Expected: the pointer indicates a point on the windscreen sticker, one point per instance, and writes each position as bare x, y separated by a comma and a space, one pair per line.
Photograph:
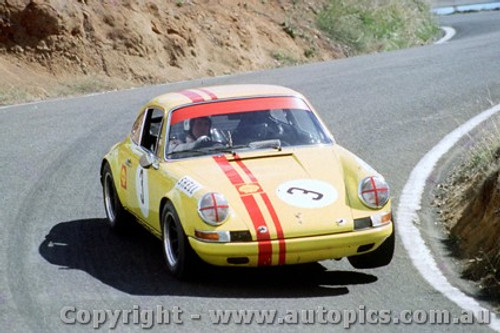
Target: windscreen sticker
142, 189
307, 193
249, 189
188, 185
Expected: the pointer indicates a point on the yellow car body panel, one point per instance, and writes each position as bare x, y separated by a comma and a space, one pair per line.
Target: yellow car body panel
263, 188
298, 250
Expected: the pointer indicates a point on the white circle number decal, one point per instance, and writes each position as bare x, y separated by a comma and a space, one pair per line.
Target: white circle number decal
141, 186
307, 193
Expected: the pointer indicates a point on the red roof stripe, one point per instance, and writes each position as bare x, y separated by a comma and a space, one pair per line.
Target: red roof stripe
209, 93
193, 96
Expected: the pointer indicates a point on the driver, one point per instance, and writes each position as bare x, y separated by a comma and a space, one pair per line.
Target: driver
198, 133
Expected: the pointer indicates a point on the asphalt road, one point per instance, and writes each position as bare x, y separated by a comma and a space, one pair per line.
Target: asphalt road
56, 252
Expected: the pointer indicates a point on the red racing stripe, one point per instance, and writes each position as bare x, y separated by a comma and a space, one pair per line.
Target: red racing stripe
228, 169
265, 246
279, 229
270, 208
193, 96
245, 169
209, 93
263, 238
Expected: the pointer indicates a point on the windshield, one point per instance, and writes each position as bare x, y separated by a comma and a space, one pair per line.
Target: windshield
248, 124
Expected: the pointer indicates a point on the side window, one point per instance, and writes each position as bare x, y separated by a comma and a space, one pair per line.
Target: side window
152, 129
136, 128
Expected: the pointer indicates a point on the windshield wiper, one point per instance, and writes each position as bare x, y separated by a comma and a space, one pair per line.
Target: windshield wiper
275, 144
178, 152
206, 151
228, 149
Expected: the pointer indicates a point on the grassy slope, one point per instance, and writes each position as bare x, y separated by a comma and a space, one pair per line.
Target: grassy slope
383, 25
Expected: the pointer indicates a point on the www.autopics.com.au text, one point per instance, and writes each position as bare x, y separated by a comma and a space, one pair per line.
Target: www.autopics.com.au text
160, 315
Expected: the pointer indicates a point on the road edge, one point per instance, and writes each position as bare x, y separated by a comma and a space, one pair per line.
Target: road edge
407, 215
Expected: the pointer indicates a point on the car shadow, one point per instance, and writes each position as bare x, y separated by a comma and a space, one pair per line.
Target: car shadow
132, 261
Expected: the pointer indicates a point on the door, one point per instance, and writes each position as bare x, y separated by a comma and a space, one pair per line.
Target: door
139, 194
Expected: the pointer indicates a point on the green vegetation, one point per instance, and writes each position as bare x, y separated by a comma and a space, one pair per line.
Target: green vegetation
483, 157
289, 28
69, 87
86, 85
13, 95
284, 58
381, 25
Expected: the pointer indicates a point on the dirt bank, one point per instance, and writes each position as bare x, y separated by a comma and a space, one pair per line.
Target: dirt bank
50, 47
469, 206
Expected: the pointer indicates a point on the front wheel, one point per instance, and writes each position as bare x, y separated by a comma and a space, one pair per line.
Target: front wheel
116, 215
179, 256
382, 256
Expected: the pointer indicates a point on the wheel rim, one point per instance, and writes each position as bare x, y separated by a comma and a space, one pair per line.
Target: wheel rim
170, 240
109, 198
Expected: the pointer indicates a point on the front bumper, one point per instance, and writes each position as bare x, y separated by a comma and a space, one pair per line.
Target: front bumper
297, 250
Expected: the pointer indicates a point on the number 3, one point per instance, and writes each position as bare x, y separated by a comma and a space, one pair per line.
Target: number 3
317, 195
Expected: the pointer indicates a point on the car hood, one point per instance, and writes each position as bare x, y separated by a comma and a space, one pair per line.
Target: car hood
292, 193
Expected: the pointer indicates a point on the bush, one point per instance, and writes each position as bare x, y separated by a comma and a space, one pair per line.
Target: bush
382, 25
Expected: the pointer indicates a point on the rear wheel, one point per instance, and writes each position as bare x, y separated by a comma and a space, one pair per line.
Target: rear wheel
382, 256
179, 256
116, 215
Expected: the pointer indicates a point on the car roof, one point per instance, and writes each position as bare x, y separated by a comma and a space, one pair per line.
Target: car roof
173, 100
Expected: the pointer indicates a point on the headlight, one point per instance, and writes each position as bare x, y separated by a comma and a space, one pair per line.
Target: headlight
213, 208
374, 192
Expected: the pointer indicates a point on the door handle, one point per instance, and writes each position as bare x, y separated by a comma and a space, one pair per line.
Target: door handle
128, 162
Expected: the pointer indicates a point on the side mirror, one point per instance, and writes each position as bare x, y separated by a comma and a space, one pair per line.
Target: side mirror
147, 160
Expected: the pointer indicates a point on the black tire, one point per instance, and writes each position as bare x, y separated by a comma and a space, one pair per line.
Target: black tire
179, 256
117, 216
382, 256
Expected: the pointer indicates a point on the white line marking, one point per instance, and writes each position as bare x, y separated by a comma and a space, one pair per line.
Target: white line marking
409, 205
449, 33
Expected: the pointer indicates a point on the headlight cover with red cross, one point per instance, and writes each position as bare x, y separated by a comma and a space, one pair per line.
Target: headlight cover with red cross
374, 192
213, 208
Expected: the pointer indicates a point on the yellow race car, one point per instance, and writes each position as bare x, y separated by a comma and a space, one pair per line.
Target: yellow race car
246, 175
